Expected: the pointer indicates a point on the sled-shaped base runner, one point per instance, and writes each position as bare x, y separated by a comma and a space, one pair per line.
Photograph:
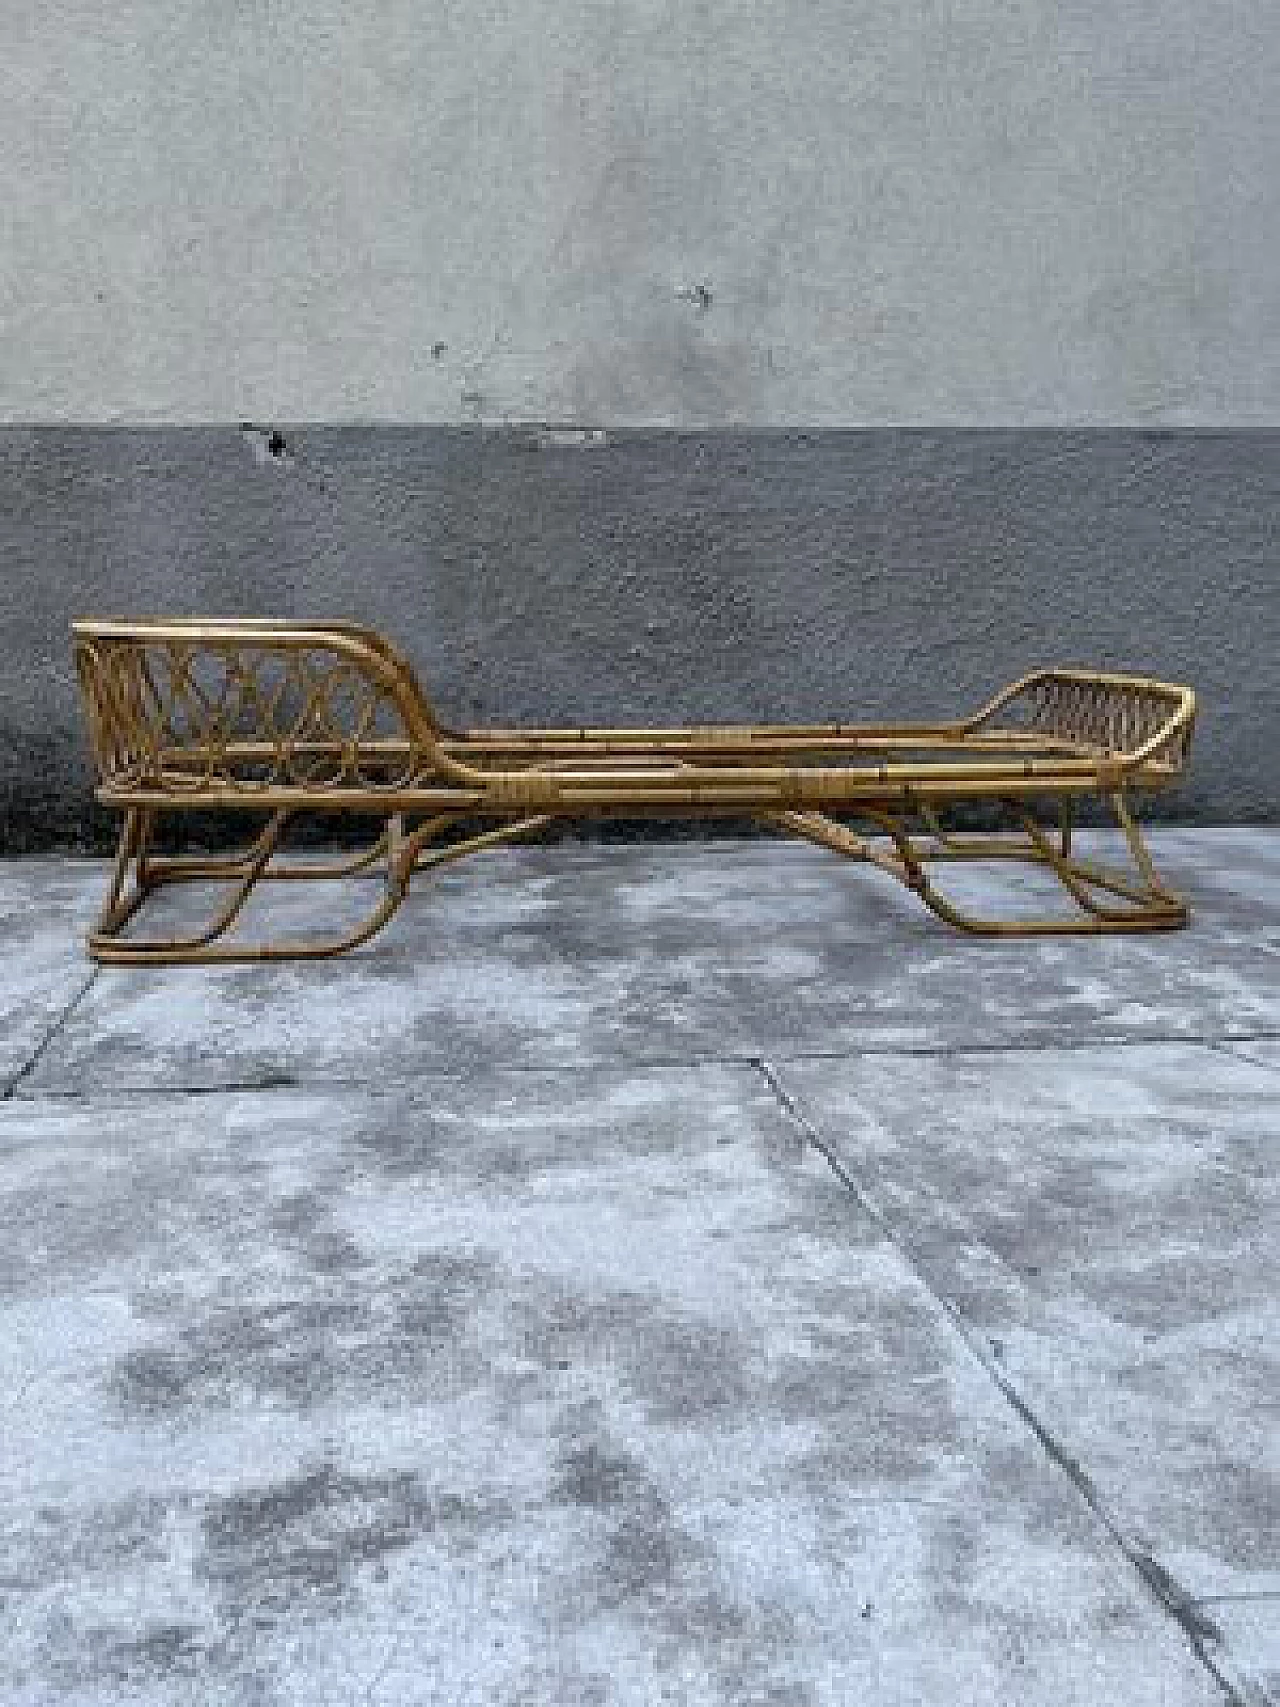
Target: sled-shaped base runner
272, 720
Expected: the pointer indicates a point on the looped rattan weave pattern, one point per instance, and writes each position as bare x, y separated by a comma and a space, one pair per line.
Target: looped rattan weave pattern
186, 715
1115, 717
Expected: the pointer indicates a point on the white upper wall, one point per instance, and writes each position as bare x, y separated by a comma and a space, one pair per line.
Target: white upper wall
953, 212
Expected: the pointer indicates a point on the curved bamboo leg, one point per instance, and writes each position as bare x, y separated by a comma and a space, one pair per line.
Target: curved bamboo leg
827, 833
1075, 876
203, 948
1095, 924
1081, 877
105, 944
1152, 905
188, 868
201, 951
118, 908
414, 843
1141, 855
946, 844
404, 855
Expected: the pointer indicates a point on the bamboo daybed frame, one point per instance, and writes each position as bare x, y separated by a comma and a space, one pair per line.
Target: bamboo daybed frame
279, 718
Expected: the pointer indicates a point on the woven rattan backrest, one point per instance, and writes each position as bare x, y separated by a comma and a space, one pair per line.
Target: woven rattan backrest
1125, 717
251, 704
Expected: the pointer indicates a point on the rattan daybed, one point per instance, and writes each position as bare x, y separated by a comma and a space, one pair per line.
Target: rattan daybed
278, 719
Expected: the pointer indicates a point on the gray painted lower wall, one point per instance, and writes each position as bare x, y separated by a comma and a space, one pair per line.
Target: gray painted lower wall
661, 576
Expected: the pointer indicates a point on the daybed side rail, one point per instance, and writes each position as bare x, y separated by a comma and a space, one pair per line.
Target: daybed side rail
1136, 721
202, 707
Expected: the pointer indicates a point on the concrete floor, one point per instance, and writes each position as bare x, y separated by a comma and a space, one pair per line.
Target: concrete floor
646, 1274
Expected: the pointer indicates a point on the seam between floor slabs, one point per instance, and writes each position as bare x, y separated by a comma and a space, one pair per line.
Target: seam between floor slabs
1174, 1600
59, 1021
1234, 1049
1197, 1629
749, 1058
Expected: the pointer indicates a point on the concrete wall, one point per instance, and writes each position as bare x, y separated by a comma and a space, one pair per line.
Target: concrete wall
953, 212
1046, 233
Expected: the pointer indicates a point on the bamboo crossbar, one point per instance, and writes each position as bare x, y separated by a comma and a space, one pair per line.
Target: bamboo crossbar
276, 718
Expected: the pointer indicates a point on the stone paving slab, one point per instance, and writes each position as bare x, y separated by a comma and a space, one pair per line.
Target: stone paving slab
551, 957
1111, 1232
1234, 870
44, 907
585, 1389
